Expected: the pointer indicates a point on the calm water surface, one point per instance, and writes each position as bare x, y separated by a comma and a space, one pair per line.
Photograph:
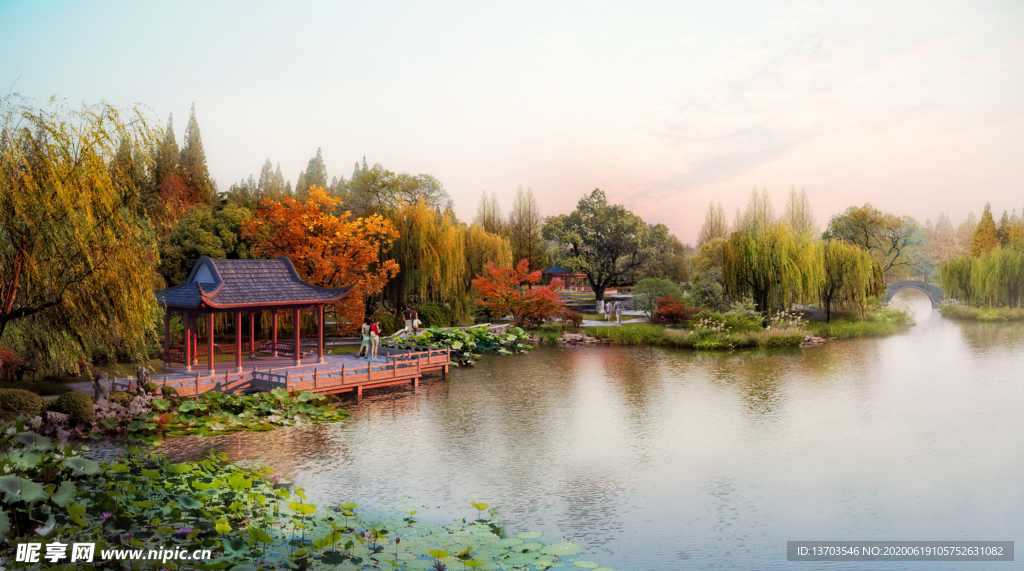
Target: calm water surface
659, 459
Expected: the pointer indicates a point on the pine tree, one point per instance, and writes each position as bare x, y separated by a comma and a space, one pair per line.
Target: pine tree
943, 244
799, 215
1003, 231
715, 225
965, 232
193, 164
488, 214
985, 238
524, 230
315, 175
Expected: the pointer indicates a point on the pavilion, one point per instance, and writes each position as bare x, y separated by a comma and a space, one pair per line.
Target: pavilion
572, 281
242, 286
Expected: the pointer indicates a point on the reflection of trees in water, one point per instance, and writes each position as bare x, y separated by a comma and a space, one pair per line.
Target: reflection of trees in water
991, 337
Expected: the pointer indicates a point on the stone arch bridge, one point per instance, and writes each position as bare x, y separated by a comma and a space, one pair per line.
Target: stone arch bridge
934, 292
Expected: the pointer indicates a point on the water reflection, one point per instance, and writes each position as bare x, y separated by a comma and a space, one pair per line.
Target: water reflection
657, 459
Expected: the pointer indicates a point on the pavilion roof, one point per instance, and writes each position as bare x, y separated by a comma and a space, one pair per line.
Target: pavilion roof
559, 270
228, 284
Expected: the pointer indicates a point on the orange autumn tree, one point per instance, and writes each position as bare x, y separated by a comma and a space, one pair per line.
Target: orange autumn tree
502, 292
326, 250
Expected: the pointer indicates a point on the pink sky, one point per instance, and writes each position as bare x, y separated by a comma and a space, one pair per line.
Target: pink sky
914, 106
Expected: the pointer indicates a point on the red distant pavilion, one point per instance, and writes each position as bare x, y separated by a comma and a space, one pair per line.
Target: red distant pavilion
242, 286
572, 281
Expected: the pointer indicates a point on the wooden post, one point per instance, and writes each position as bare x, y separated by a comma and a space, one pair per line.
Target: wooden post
343, 373
167, 338
295, 327
209, 333
274, 339
287, 379
320, 334
252, 334
238, 341
197, 384
359, 392
315, 375
195, 339
188, 342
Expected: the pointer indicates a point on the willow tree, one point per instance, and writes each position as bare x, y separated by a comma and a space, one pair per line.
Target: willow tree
431, 252
771, 264
75, 259
955, 276
845, 277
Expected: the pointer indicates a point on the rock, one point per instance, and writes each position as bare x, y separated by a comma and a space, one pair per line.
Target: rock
141, 379
56, 418
139, 405
101, 384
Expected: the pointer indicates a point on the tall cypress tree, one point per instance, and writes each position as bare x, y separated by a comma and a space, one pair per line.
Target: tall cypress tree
193, 164
985, 237
315, 175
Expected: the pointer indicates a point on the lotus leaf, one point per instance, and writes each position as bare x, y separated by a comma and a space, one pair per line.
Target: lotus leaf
82, 466
65, 494
586, 564
19, 489
33, 441
530, 534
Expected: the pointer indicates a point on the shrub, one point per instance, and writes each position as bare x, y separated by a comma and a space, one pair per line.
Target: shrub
778, 338
672, 310
569, 318
18, 401
123, 398
76, 405
40, 387
709, 293
388, 323
168, 392
648, 291
151, 388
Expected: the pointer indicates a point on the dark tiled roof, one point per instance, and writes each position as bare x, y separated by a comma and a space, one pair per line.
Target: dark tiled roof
556, 269
242, 283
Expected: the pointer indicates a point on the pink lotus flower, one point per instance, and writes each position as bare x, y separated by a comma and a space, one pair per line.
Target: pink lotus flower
107, 515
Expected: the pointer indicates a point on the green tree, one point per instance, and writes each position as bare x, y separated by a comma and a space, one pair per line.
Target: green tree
648, 291
715, 225
203, 231
524, 231
605, 241
315, 175
1003, 231
377, 190
955, 276
488, 214
799, 214
985, 236
846, 277
772, 265
192, 164
891, 239
75, 257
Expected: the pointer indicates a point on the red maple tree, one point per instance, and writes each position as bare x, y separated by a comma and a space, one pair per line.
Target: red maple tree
504, 291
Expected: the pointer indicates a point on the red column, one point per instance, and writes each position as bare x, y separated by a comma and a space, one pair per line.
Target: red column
252, 335
195, 339
295, 327
209, 333
274, 340
167, 337
320, 335
188, 341
238, 341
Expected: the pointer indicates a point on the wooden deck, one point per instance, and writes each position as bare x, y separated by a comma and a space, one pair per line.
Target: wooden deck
337, 374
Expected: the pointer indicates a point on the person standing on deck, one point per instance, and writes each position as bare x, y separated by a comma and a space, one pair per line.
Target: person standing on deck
618, 311
409, 314
374, 339
364, 336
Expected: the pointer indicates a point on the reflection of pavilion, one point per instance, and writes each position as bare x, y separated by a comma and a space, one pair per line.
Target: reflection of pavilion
251, 286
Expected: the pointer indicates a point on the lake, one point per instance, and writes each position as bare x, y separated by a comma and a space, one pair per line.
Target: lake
665, 459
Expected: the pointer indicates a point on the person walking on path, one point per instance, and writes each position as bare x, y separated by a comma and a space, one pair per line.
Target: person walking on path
609, 311
374, 339
409, 315
618, 311
364, 338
